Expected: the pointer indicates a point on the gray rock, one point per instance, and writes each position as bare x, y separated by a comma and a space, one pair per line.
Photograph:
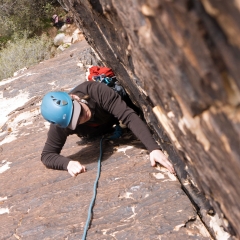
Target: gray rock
59, 39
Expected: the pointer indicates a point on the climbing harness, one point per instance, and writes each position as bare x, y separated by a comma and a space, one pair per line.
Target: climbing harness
94, 193
117, 133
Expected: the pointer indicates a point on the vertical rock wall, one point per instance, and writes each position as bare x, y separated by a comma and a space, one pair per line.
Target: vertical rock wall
179, 60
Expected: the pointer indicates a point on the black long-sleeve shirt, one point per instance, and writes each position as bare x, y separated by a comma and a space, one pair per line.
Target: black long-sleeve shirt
106, 106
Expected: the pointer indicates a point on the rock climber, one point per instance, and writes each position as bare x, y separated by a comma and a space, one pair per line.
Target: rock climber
57, 22
90, 109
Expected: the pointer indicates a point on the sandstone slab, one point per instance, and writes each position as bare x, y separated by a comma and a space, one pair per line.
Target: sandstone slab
134, 200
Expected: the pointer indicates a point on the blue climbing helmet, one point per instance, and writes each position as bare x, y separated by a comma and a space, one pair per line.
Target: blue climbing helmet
58, 108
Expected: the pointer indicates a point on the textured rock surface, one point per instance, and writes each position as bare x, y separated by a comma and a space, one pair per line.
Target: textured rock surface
179, 59
134, 200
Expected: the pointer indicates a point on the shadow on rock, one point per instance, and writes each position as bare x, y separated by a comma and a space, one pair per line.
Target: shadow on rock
91, 148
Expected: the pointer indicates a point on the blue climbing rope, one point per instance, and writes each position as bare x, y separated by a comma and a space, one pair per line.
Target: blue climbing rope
117, 133
94, 193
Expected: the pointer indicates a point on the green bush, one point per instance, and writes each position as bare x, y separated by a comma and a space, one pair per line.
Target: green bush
23, 52
23, 15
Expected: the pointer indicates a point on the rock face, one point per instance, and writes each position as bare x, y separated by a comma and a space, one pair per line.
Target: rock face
134, 200
180, 60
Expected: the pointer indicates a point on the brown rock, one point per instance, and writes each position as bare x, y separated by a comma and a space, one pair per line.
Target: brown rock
183, 58
134, 200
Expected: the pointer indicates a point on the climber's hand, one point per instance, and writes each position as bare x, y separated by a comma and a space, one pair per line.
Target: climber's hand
157, 156
74, 168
